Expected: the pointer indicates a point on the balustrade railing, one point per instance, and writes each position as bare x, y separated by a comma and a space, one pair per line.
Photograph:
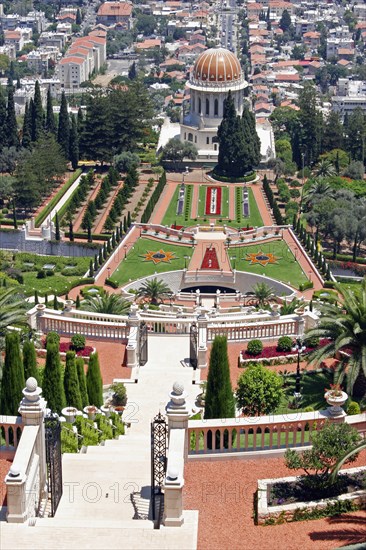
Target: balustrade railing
241, 435
243, 331
69, 326
11, 428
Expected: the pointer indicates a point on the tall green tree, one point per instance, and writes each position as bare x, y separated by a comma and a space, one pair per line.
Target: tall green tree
94, 382
333, 133
11, 121
50, 123
74, 143
63, 134
285, 21
30, 361
53, 388
37, 113
3, 129
12, 382
308, 137
154, 291
219, 401
259, 391
27, 127
71, 382
82, 380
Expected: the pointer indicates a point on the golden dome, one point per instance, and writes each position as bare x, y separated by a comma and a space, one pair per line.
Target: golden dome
217, 65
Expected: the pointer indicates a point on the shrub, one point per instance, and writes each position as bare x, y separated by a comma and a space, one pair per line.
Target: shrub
294, 193
259, 391
78, 342
353, 408
41, 274
306, 285
255, 347
312, 342
284, 343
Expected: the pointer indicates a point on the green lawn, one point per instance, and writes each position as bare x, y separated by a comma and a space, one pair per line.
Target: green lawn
286, 270
67, 272
135, 266
170, 217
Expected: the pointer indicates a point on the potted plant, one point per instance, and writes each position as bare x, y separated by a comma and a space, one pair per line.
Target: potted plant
106, 409
336, 398
91, 411
119, 396
69, 413
202, 396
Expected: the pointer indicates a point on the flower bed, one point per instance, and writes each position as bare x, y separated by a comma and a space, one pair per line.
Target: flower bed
65, 347
179, 227
275, 511
246, 229
272, 354
210, 260
213, 201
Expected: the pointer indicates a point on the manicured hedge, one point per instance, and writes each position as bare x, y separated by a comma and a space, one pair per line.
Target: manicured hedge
249, 177
154, 199
52, 203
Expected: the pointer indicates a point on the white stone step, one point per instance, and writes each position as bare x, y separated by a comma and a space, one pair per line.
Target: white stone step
95, 523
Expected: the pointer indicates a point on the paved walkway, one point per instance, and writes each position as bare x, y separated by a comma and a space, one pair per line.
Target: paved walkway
163, 202
96, 509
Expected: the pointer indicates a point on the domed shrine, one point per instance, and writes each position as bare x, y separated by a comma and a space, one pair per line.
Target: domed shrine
215, 72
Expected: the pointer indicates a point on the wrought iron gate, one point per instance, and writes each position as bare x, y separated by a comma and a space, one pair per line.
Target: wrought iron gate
53, 459
159, 431
193, 343
143, 344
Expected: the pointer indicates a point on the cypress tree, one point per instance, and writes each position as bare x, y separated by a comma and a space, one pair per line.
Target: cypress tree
94, 382
113, 241
100, 257
36, 300
71, 230
53, 388
30, 361
55, 302
124, 224
74, 143
96, 262
63, 134
219, 401
12, 382
37, 113
50, 124
71, 382
109, 249
82, 381
78, 19
46, 299
77, 303
3, 129
128, 219
294, 221
90, 238
298, 225
11, 121
105, 254
15, 221
121, 228
57, 228
132, 73
27, 127
91, 268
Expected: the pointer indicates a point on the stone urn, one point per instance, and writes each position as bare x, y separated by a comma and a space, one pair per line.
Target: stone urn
336, 400
69, 413
107, 409
91, 411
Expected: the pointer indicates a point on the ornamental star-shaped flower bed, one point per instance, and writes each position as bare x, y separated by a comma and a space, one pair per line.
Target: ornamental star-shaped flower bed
159, 256
262, 258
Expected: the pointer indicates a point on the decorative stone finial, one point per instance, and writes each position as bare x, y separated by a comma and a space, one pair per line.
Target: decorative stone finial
178, 388
173, 473
31, 384
14, 471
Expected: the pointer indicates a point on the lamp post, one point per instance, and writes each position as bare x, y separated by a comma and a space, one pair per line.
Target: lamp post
108, 272
299, 347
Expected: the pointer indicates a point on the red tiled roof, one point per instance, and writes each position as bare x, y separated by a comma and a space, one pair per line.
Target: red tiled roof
72, 59
118, 9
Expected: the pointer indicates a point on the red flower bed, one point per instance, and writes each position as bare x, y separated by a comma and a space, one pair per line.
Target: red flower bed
272, 351
210, 260
67, 346
246, 229
208, 201
173, 226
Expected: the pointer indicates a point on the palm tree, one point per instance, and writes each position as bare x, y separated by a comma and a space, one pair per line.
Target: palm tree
289, 307
345, 458
12, 310
319, 189
263, 294
325, 168
106, 303
344, 325
154, 291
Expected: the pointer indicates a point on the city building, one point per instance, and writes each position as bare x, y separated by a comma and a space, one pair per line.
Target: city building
111, 13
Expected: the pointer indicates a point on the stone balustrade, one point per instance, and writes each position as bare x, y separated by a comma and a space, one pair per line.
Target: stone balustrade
11, 428
266, 329
248, 436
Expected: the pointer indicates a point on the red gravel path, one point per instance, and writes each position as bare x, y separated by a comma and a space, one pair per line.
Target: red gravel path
223, 492
4, 468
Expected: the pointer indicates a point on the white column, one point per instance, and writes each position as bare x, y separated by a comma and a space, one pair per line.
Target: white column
202, 322
131, 348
